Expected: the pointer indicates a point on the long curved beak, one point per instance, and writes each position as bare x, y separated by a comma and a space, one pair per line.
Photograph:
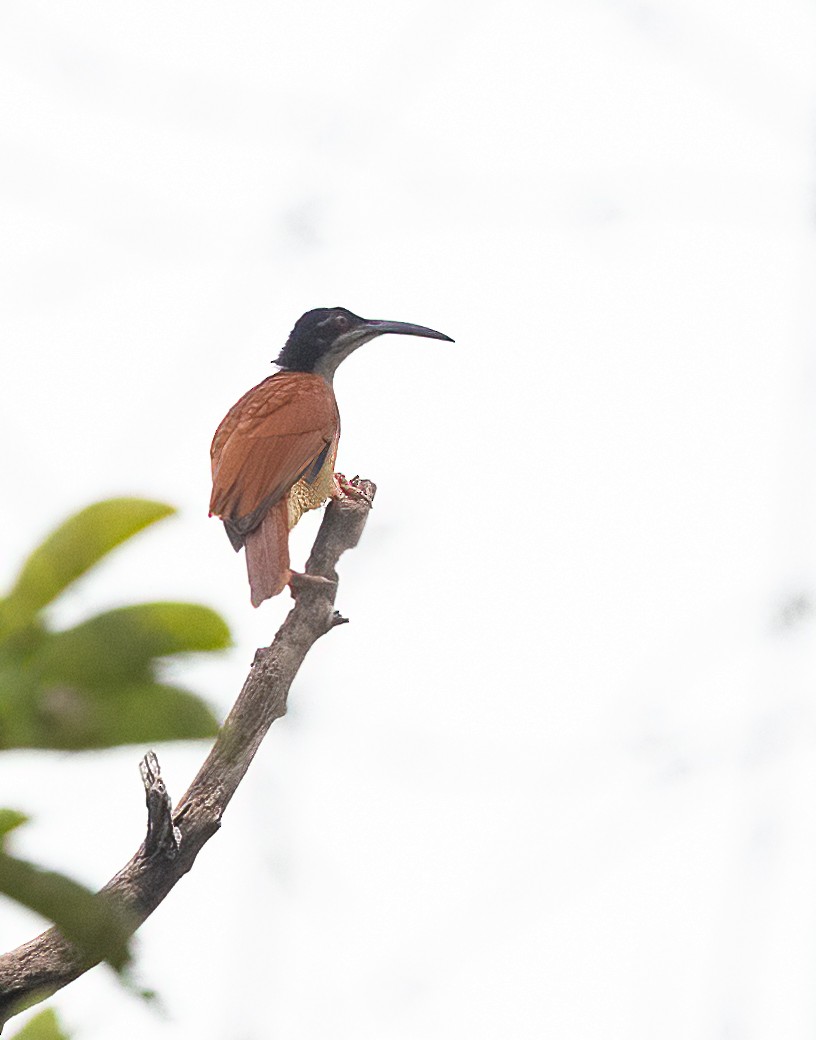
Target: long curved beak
404, 328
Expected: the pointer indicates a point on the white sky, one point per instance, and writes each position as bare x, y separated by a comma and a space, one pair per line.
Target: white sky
555, 778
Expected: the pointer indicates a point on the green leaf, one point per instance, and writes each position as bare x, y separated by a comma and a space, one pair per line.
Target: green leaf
153, 712
120, 646
80, 688
44, 1026
9, 819
72, 719
71, 550
98, 928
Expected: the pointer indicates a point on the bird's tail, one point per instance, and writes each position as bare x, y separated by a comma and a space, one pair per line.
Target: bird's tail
267, 555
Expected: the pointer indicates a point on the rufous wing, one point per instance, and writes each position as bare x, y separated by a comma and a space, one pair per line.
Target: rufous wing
267, 440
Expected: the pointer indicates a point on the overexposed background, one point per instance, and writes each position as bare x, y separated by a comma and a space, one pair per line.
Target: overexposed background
556, 777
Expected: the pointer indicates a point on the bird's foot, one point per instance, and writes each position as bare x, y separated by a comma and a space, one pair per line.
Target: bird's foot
351, 489
299, 582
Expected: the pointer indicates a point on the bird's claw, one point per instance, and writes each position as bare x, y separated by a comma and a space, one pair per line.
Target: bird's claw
351, 489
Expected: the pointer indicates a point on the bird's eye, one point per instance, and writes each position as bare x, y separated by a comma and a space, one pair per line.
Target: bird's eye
340, 320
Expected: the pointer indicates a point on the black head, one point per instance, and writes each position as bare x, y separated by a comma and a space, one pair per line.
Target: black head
322, 338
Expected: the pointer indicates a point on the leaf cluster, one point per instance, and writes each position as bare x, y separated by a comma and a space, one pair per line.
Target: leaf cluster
97, 684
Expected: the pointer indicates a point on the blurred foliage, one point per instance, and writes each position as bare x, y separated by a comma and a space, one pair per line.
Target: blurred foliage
44, 1026
97, 684
82, 917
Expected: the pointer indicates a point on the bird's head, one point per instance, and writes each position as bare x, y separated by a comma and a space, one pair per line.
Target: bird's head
322, 338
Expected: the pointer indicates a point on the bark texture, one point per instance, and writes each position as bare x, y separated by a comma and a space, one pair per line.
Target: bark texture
44, 965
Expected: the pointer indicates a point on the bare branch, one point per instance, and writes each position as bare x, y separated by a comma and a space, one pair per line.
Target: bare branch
46, 964
162, 836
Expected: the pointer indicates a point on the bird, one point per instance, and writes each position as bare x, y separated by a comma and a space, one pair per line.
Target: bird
273, 453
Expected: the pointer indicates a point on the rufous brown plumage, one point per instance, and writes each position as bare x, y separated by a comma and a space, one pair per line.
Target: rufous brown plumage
273, 453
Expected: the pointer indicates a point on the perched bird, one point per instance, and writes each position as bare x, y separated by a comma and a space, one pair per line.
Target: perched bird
273, 453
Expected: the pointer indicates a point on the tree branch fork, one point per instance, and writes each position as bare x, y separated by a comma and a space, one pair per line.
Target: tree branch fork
49, 962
